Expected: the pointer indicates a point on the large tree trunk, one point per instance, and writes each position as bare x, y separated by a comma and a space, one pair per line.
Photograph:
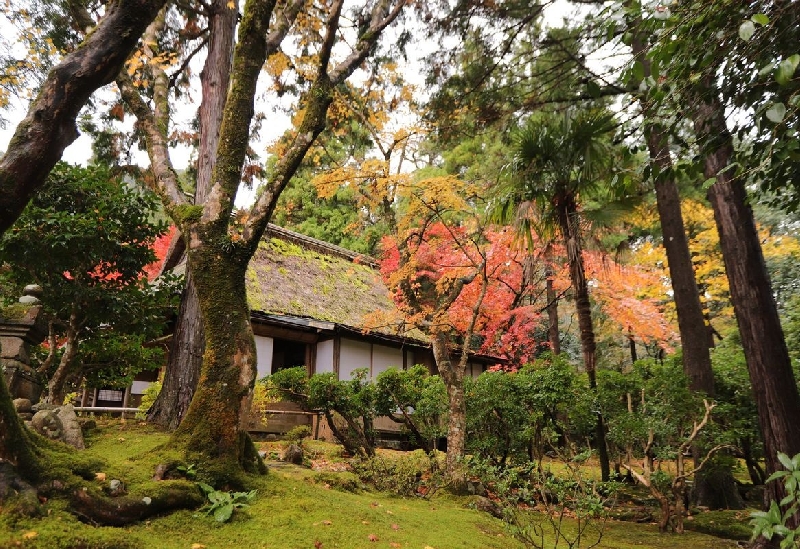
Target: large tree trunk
214, 428
452, 374
49, 126
15, 445
186, 348
713, 489
691, 322
568, 220
768, 362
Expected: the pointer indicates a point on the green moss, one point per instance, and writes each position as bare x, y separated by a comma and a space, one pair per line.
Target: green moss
15, 311
188, 213
725, 524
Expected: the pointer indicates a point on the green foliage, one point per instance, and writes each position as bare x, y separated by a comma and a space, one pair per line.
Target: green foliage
189, 471
85, 239
349, 406
296, 435
415, 399
148, 398
654, 398
221, 504
518, 416
776, 521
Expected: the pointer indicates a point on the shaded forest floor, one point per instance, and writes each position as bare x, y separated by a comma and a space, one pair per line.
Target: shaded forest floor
324, 506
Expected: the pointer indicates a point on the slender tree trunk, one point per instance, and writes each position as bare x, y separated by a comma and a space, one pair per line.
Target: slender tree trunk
567, 214
453, 377
768, 362
553, 335
186, 348
183, 364
55, 387
632, 345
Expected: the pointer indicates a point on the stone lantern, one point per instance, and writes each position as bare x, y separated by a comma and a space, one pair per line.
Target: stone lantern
22, 325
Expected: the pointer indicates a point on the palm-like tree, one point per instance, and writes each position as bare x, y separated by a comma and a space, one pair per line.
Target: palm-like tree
559, 158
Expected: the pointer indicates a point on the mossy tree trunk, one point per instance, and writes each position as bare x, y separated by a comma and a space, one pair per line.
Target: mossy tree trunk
219, 250
16, 446
40, 140
214, 425
186, 348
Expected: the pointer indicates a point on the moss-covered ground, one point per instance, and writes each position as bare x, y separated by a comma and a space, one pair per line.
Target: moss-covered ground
299, 508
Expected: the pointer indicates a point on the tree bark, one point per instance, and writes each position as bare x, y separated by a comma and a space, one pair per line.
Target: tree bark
768, 362
49, 126
15, 446
214, 428
553, 335
184, 362
567, 219
710, 489
453, 377
186, 348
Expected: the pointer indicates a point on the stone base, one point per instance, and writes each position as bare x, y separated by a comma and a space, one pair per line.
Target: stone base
22, 381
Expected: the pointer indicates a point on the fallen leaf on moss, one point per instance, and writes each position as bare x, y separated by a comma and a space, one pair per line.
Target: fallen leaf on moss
372, 537
29, 535
100, 477
198, 546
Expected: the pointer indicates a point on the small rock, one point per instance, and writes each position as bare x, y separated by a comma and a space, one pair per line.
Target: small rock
73, 435
160, 472
488, 506
87, 424
293, 454
272, 437
48, 424
262, 454
22, 405
116, 488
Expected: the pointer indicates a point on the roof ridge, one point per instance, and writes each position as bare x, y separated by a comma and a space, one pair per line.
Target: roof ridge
320, 245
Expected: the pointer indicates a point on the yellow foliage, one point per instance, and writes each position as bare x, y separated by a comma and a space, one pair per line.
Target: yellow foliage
277, 64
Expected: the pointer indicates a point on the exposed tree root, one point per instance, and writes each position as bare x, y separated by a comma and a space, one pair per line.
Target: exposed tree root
121, 511
14, 487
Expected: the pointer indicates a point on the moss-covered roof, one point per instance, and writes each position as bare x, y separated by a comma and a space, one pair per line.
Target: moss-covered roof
299, 276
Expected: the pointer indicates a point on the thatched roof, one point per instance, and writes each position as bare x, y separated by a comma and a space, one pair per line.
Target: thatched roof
295, 275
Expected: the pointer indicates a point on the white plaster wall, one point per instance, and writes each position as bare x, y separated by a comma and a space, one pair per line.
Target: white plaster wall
384, 358
138, 387
474, 370
353, 355
324, 357
263, 355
